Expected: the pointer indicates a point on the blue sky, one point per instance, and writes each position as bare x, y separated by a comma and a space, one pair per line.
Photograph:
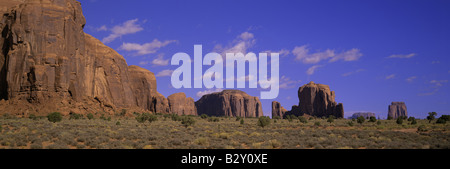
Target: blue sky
370, 52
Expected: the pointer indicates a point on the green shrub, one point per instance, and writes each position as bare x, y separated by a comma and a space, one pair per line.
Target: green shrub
213, 119
118, 123
263, 121
411, 118
443, 119
372, 119
390, 118
276, 117
187, 121
54, 117
378, 122
431, 116
317, 123
204, 116
32, 117
350, 123
399, 120
74, 116
176, 117
242, 121
142, 118
90, 116
422, 128
123, 112
238, 118
360, 119
302, 119
330, 119
414, 121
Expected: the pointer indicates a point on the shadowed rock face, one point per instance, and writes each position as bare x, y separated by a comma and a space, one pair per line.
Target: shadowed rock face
318, 100
145, 90
397, 109
278, 110
230, 103
366, 115
181, 105
46, 55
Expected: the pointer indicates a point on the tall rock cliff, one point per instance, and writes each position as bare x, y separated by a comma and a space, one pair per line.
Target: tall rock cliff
397, 109
278, 110
318, 100
47, 57
230, 103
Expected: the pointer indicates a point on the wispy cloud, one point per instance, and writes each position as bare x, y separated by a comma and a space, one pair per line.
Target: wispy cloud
147, 48
165, 73
205, 92
313, 69
435, 86
282, 52
403, 56
160, 61
392, 76
353, 72
411, 79
241, 44
102, 28
128, 27
302, 53
287, 83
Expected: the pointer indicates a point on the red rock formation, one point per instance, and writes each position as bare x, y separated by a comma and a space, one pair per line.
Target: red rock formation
47, 58
230, 103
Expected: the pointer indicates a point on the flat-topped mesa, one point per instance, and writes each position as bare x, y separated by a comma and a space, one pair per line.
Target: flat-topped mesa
232, 103
182, 105
318, 100
397, 109
47, 58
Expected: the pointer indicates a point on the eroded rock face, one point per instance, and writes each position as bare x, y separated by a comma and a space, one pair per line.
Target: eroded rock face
181, 105
397, 109
230, 103
143, 83
43, 56
278, 110
318, 100
366, 115
47, 58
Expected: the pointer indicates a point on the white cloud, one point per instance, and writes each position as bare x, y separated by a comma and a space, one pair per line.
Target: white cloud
159, 61
128, 27
165, 73
354, 72
312, 69
241, 44
390, 76
143, 63
102, 28
402, 56
282, 52
411, 79
435, 87
287, 83
350, 55
205, 92
147, 48
302, 53
438, 83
